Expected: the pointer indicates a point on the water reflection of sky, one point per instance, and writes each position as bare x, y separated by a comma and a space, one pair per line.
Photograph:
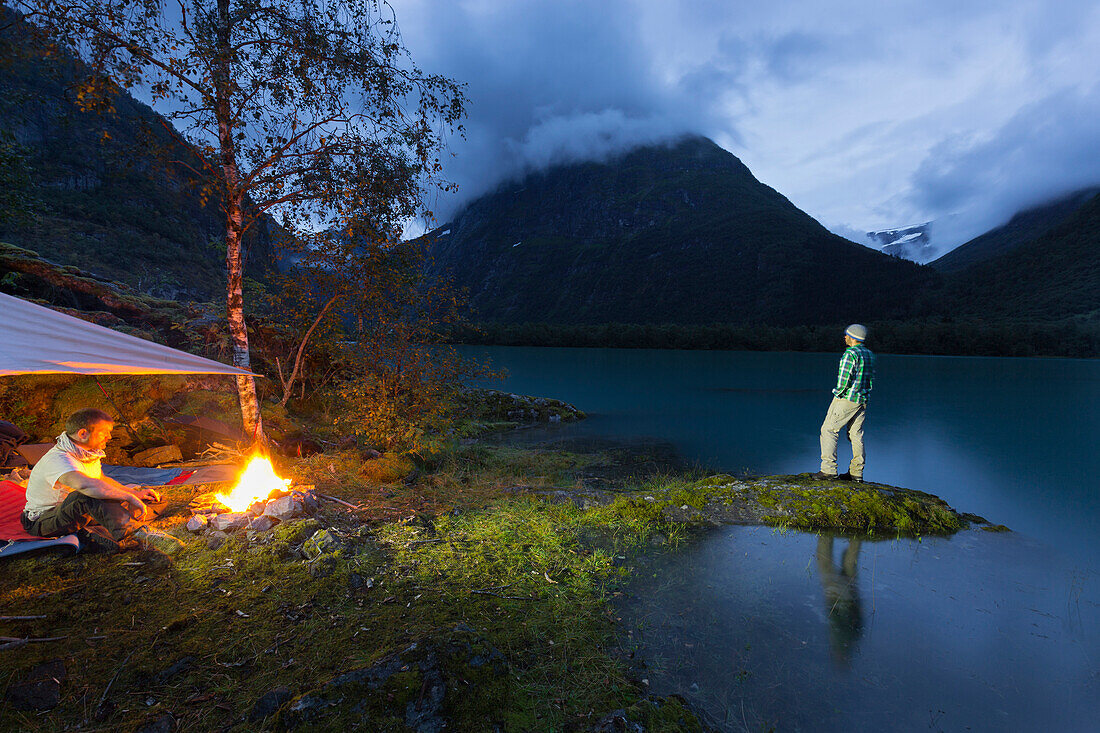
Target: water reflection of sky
978, 632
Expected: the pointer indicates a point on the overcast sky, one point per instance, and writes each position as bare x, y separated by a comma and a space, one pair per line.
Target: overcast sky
866, 114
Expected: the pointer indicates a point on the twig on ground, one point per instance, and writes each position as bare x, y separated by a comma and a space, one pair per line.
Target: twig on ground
21, 618
339, 501
103, 697
427, 542
30, 640
507, 598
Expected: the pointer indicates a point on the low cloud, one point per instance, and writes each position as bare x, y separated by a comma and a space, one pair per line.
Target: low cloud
1047, 150
596, 136
866, 115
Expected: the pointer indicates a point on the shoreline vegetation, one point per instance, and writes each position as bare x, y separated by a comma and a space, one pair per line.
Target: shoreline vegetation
470, 588
1069, 338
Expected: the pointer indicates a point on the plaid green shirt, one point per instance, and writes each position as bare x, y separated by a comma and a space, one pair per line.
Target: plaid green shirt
857, 373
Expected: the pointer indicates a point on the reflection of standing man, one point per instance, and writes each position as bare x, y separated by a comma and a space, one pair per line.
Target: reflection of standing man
841, 595
849, 406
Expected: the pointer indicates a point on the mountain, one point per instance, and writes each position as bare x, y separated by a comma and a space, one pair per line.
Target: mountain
677, 233
909, 243
1023, 227
109, 200
1053, 276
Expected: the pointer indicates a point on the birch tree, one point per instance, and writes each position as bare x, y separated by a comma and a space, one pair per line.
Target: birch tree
311, 111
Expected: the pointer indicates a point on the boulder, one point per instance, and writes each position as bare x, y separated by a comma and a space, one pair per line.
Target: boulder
230, 521
283, 508
156, 456
321, 543
262, 523
40, 689
198, 522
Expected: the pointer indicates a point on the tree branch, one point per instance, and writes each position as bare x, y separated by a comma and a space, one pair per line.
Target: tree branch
301, 350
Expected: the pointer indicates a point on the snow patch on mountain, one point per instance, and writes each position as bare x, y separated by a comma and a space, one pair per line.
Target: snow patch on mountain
912, 242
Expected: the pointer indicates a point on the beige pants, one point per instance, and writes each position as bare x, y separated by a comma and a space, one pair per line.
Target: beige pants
843, 413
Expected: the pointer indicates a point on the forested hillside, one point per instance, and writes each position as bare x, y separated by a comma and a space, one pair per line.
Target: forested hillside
111, 191
680, 233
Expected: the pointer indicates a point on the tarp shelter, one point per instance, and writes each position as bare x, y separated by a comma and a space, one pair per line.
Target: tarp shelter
38, 340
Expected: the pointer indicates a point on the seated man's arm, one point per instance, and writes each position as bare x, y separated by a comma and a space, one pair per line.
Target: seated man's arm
106, 488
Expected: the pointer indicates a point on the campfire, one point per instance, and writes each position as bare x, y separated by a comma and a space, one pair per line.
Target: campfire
257, 483
259, 500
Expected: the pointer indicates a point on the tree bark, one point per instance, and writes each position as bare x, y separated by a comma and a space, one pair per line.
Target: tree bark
234, 228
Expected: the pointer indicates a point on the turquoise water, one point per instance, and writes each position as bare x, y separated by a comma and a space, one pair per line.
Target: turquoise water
1015, 440
765, 629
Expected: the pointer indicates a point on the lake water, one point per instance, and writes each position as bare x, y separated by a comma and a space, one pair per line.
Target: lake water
760, 628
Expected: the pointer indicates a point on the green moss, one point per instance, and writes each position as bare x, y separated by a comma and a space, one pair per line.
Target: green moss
824, 505
486, 582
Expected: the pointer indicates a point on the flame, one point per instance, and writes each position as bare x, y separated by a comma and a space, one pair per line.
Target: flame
255, 484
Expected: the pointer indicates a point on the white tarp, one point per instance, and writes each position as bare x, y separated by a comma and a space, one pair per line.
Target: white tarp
37, 340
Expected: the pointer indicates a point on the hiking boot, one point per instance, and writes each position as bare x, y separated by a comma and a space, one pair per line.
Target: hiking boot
850, 477
94, 541
822, 476
157, 540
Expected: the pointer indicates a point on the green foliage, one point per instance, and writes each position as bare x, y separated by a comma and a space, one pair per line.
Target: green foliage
396, 398
17, 200
1050, 278
522, 583
1021, 229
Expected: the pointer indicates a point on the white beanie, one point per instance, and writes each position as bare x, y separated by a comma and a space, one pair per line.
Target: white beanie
857, 331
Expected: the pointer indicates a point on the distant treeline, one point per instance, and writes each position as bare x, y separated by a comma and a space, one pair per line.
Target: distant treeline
962, 338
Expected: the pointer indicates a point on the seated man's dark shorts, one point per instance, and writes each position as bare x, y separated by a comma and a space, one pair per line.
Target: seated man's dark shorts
75, 513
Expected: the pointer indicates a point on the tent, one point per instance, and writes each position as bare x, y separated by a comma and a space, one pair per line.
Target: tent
38, 340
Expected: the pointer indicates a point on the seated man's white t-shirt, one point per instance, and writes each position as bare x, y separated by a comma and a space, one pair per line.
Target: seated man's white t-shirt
43, 490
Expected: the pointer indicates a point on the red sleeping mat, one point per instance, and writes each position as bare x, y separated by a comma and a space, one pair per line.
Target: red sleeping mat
13, 498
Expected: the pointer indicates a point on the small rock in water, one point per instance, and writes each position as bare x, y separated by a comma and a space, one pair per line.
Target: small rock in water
229, 522
198, 522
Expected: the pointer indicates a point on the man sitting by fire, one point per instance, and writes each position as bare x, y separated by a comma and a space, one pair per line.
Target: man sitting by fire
68, 493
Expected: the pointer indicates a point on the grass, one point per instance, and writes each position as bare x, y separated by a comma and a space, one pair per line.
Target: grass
500, 579
450, 563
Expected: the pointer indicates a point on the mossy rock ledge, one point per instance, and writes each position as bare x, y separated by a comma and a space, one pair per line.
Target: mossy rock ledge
791, 502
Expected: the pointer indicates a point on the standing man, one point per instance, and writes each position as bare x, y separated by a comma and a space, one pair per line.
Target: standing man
849, 406
68, 493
